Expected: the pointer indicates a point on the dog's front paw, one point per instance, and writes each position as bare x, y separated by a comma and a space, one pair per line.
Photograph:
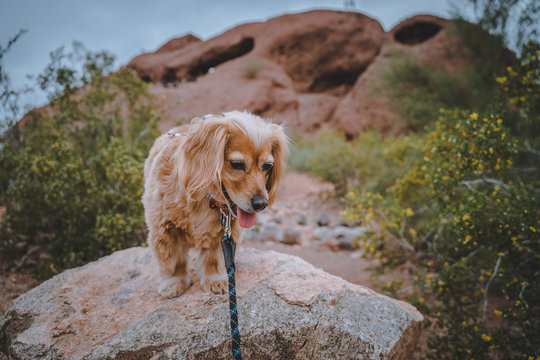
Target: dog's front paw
171, 287
216, 284
218, 287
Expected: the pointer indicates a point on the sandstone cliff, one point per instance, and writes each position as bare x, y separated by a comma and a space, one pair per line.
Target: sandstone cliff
311, 70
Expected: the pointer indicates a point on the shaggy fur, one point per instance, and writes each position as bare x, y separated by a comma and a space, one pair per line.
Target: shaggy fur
238, 149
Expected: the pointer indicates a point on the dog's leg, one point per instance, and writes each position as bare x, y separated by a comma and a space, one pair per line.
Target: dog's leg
171, 251
211, 268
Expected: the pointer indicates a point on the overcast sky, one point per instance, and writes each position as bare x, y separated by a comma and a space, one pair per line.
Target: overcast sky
128, 27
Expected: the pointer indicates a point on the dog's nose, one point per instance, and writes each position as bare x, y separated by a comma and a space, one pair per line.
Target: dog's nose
259, 203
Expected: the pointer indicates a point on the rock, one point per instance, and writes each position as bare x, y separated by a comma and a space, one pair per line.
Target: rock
351, 223
301, 219
287, 309
323, 219
323, 233
291, 236
348, 236
294, 67
277, 219
270, 232
252, 234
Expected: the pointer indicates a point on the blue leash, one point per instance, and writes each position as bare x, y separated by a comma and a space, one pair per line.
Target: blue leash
229, 248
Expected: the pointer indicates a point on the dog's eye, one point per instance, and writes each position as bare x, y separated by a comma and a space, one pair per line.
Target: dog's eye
267, 166
238, 165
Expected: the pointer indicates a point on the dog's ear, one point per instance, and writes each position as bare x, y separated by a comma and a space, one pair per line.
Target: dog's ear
204, 151
280, 152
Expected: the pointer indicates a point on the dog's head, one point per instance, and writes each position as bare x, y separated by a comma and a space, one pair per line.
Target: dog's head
237, 152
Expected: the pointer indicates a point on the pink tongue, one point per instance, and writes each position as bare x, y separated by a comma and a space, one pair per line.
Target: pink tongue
245, 219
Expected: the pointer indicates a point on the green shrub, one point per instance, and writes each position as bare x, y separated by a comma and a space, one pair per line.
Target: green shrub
71, 178
362, 162
251, 69
467, 214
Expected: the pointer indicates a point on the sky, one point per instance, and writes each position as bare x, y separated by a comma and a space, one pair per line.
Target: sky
127, 28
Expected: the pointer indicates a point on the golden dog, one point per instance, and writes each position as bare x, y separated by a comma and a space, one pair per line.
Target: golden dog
236, 157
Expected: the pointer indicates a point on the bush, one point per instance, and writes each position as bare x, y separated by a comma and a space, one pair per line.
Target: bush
251, 69
361, 162
467, 214
71, 175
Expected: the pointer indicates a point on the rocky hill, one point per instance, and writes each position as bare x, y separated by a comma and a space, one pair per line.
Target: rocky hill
314, 69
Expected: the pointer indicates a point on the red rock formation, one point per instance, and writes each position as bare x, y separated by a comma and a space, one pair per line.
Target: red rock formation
312, 70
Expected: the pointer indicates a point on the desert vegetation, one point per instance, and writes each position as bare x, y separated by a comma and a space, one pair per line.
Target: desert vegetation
71, 173
457, 198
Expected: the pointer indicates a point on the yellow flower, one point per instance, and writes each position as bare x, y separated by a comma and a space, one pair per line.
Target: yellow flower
498, 312
486, 338
503, 136
501, 80
424, 168
533, 229
474, 116
500, 254
410, 212
466, 217
446, 178
518, 302
464, 323
499, 121
467, 238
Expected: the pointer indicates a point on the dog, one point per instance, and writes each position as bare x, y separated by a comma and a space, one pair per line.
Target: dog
238, 159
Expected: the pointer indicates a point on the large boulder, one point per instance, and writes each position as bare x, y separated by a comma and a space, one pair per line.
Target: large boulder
110, 309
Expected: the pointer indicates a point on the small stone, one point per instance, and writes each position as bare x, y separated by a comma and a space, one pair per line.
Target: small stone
347, 237
278, 219
302, 218
351, 223
291, 236
322, 233
270, 232
323, 220
253, 234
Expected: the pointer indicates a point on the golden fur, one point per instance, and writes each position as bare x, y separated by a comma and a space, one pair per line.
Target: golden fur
181, 170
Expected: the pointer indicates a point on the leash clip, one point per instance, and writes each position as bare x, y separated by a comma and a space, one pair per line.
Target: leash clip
226, 223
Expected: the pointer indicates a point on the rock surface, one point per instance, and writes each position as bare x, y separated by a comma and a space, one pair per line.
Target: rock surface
314, 69
110, 309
